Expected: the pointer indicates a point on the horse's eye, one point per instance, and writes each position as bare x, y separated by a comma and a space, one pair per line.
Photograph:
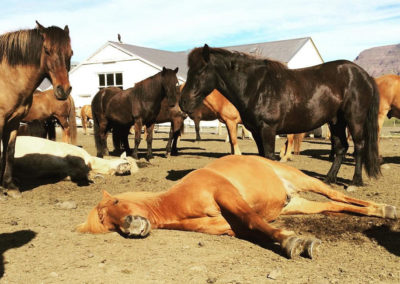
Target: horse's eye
116, 201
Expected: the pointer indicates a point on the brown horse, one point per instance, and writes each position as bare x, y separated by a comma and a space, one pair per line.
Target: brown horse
389, 91
118, 109
45, 106
233, 195
216, 106
26, 58
86, 114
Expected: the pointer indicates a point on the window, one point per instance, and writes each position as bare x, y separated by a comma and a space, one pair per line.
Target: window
110, 80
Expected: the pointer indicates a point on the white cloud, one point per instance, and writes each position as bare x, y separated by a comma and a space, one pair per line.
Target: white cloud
341, 29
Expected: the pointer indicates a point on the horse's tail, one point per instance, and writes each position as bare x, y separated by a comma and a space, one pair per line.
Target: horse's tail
96, 111
72, 121
50, 128
371, 152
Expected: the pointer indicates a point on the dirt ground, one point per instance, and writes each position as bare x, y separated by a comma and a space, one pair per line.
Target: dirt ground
38, 243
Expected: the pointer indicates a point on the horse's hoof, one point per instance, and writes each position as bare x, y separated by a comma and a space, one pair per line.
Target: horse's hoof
390, 212
136, 226
293, 247
311, 247
14, 193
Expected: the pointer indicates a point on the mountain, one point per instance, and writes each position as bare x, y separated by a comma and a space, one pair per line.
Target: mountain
380, 60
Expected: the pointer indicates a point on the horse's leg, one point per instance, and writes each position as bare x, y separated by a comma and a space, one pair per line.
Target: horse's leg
9, 139
268, 134
138, 130
103, 129
299, 205
229, 200
117, 139
232, 132
170, 137
298, 138
340, 146
149, 140
258, 140
124, 139
197, 128
66, 135
381, 118
286, 150
84, 121
357, 134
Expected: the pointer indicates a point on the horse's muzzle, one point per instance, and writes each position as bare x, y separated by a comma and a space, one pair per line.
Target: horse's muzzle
136, 226
62, 94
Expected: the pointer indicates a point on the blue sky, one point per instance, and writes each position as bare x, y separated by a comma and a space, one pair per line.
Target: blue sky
341, 29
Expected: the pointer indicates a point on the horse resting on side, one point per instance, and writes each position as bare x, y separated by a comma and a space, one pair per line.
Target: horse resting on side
233, 195
40, 158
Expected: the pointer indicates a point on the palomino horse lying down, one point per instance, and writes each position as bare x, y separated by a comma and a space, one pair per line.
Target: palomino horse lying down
37, 157
234, 195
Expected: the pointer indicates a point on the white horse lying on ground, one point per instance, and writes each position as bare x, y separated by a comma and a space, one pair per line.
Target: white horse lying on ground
37, 157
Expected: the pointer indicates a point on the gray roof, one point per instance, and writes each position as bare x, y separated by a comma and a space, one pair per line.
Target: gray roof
282, 50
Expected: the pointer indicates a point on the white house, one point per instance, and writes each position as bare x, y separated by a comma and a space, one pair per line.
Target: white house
122, 65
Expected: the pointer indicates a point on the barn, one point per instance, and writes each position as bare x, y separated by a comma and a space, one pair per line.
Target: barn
121, 64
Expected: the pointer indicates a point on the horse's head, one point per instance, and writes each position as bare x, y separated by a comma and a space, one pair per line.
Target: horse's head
122, 215
170, 83
56, 58
201, 79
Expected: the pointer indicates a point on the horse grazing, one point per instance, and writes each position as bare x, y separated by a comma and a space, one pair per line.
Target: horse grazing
26, 58
216, 106
273, 99
233, 195
42, 158
117, 109
86, 114
45, 106
389, 91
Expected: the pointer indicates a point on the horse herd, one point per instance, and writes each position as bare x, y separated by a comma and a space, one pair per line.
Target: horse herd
235, 195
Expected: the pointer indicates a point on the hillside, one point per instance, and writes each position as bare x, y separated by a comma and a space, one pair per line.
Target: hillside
380, 60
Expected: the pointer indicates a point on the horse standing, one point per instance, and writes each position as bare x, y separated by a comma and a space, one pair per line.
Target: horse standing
234, 195
86, 114
45, 106
273, 99
118, 109
26, 58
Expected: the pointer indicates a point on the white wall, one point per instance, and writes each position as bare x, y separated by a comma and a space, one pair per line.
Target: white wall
305, 57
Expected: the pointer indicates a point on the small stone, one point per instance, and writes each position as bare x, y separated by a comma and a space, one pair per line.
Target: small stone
67, 205
211, 280
13, 223
101, 265
54, 274
274, 274
90, 255
351, 188
201, 244
385, 166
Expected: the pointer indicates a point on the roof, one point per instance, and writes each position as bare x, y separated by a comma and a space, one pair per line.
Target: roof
282, 50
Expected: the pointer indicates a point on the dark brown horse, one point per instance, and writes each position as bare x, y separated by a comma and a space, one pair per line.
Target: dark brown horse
45, 106
26, 58
273, 99
115, 109
86, 114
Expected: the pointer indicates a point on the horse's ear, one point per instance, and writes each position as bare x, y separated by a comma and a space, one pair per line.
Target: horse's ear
106, 195
206, 53
40, 27
176, 70
66, 29
123, 155
163, 71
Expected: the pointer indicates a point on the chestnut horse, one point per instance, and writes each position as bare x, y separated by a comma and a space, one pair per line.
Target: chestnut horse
389, 90
233, 195
45, 106
26, 58
273, 99
117, 109
86, 114
216, 106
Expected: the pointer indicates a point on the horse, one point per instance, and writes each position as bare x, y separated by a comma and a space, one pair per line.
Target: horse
26, 58
117, 109
45, 106
42, 158
233, 195
168, 114
86, 114
216, 106
273, 99
389, 90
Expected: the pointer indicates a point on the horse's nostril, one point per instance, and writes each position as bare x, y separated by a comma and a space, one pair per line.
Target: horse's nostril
128, 219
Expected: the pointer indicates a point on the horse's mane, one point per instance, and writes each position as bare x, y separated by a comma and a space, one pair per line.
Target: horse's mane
92, 224
233, 57
24, 47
